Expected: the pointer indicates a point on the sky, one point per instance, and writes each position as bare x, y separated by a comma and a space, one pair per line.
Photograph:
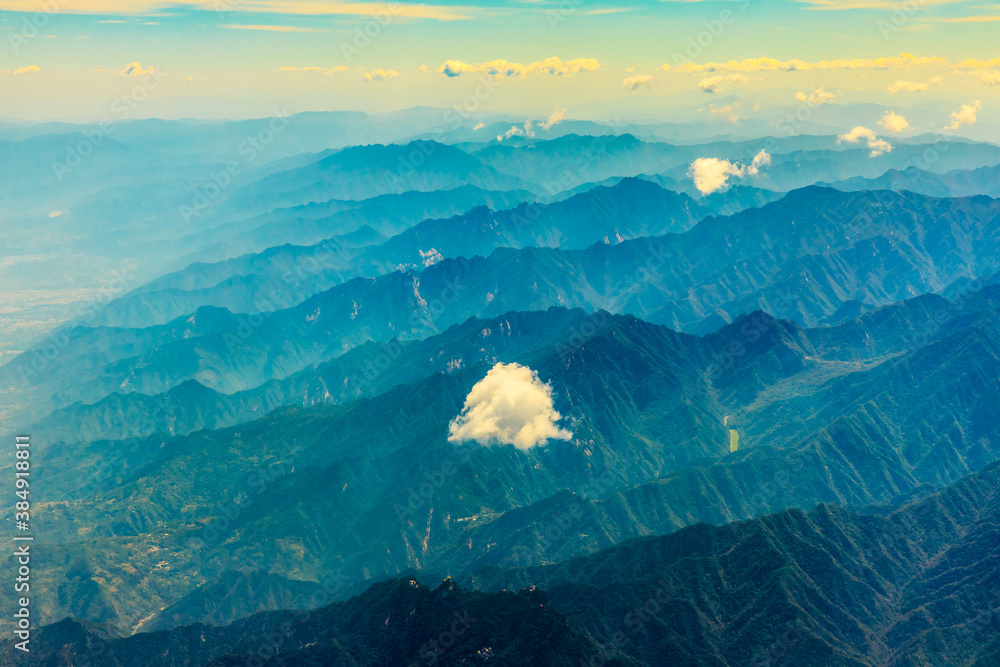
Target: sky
76, 59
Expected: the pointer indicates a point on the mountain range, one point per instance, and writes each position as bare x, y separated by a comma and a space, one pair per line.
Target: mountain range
912, 585
864, 250
825, 415
394, 389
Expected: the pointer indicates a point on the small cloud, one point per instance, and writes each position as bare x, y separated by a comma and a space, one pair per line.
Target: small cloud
972, 63
381, 74
894, 122
479, 126
638, 81
510, 406
502, 68
761, 159
711, 174
730, 111
557, 116
422, 69
714, 84
135, 69
965, 116
907, 87
517, 131
557, 67
912, 87
30, 69
816, 97
453, 68
990, 78
876, 145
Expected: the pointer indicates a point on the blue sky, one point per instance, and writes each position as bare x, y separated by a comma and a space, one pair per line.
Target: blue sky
243, 57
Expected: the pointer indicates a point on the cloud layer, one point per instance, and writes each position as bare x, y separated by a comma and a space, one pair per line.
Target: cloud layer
510, 406
902, 61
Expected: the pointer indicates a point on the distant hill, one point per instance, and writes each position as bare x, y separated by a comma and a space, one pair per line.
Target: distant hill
395, 623
630, 209
308, 224
914, 586
825, 415
801, 258
360, 172
955, 183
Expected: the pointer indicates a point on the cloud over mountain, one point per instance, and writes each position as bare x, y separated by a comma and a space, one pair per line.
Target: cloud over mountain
510, 406
711, 174
876, 145
894, 122
965, 116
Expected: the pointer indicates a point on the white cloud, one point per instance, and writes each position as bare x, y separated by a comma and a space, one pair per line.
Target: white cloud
730, 111
713, 84
638, 81
816, 97
876, 145
502, 68
971, 63
912, 86
761, 159
30, 69
711, 174
557, 116
902, 61
965, 116
517, 131
907, 87
990, 78
510, 406
135, 69
381, 74
479, 126
894, 122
